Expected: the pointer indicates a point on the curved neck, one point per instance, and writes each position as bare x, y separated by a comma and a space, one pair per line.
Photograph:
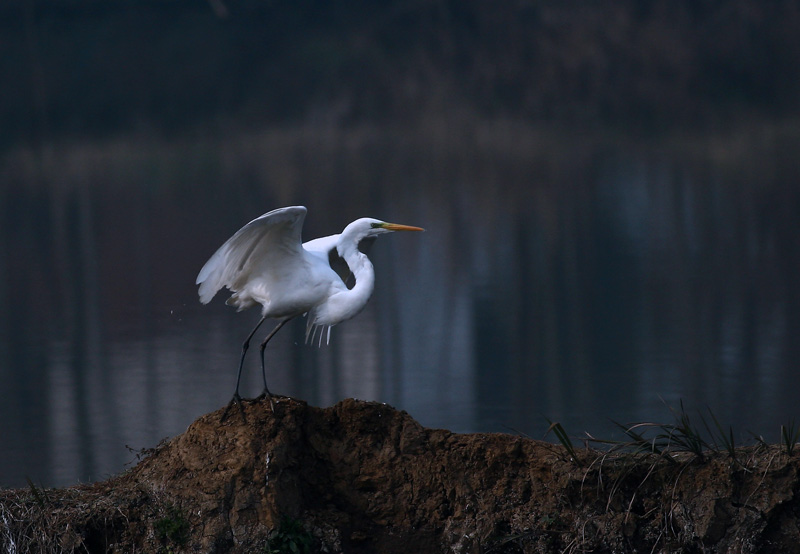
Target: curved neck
362, 270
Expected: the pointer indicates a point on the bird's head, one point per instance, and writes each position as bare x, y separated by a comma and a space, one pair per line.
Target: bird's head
368, 227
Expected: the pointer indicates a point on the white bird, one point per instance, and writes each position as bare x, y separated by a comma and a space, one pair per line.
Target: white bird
266, 263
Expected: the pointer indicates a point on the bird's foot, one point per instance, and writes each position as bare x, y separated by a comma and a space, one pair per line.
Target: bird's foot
268, 395
235, 400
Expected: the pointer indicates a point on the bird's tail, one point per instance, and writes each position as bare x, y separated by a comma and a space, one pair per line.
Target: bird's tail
311, 331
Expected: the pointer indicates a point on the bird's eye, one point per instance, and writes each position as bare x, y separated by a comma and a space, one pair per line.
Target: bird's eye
376, 225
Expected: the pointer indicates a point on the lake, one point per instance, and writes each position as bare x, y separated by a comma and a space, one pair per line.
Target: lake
565, 274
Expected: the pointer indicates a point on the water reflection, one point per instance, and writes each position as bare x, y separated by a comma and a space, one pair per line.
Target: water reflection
582, 281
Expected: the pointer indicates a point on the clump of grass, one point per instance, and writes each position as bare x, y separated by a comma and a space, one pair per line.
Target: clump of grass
37, 519
639, 442
685, 435
289, 538
725, 438
40, 495
790, 434
682, 435
562, 436
172, 528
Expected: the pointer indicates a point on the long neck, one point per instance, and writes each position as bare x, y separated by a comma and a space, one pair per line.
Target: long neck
353, 300
345, 303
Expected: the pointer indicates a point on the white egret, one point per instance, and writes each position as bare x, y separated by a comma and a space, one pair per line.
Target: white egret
266, 263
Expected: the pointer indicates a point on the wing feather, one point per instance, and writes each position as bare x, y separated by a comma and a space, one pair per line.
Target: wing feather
267, 240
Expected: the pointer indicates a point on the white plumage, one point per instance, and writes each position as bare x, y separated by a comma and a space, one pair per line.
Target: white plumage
266, 263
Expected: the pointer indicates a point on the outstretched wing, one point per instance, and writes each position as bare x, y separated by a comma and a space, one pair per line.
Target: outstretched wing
267, 240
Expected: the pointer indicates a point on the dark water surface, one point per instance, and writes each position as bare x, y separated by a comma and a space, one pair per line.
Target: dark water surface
580, 278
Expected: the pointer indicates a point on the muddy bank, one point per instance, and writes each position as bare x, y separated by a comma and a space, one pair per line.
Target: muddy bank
364, 477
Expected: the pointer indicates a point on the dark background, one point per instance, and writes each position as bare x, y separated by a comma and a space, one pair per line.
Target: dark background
610, 193
95, 67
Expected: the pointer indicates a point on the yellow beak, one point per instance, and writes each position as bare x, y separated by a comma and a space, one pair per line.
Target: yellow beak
398, 227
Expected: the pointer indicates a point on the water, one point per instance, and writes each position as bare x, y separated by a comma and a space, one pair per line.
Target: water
575, 277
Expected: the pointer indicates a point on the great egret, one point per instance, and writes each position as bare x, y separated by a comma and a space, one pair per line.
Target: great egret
265, 263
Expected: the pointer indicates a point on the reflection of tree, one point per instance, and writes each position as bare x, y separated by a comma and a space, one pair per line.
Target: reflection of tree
75, 245
715, 276
23, 334
168, 65
559, 276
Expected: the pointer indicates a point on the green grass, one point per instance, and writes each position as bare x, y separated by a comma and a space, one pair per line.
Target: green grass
289, 538
790, 434
172, 529
562, 436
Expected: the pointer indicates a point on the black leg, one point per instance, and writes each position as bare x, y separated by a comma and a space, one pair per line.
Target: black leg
263, 369
236, 398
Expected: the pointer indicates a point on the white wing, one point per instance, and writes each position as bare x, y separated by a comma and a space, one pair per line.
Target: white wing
269, 240
322, 246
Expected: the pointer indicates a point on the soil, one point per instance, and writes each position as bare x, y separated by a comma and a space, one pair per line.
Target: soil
363, 477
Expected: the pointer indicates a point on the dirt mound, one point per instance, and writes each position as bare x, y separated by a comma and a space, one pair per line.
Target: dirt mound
364, 477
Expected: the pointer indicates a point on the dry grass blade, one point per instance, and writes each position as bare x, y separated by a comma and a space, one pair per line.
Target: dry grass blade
640, 443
